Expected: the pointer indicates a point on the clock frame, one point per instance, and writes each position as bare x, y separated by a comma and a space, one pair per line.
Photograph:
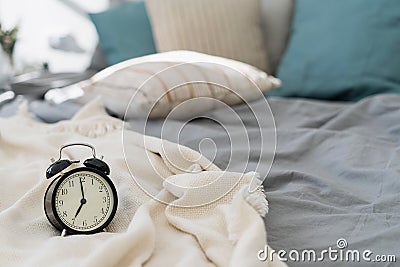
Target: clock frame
50, 202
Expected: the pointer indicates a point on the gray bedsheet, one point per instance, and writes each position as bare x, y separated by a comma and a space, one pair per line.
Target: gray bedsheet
336, 171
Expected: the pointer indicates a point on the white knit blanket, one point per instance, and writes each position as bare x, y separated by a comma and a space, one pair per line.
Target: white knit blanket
226, 230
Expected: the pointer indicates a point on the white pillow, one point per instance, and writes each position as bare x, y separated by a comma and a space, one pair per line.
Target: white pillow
152, 86
225, 28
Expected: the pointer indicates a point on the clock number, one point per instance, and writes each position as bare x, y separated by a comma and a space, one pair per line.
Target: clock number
61, 202
102, 211
92, 182
71, 183
104, 199
95, 219
100, 188
64, 191
64, 214
84, 223
83, 179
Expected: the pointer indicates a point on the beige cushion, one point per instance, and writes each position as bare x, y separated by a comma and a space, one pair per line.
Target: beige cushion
226, 28
277, 19
157, 84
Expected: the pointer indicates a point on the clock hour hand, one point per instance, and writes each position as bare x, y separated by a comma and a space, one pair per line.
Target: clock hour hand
83, 201
79, 209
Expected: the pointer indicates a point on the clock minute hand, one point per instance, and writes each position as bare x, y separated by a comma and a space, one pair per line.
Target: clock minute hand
83, 194
83, 200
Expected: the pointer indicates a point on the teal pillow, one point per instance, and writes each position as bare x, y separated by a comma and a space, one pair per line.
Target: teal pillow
124, 32
342, 50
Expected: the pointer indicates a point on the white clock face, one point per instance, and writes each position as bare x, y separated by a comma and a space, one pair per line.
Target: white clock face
84, 201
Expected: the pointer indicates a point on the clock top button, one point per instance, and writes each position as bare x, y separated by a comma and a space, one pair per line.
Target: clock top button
57, 167
97, 164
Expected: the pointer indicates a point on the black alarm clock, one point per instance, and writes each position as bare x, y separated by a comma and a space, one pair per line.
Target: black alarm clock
82, 200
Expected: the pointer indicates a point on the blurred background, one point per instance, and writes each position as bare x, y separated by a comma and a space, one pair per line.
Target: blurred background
57, 32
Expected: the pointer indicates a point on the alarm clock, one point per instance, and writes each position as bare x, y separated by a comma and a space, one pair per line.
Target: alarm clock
82, 200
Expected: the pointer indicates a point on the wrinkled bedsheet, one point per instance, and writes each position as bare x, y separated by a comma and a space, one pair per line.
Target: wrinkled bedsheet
335, 174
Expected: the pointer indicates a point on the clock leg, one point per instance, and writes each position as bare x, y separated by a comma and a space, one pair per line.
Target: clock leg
105, 230
63, 233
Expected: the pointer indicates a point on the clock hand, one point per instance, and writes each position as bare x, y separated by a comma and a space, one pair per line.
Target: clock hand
83, 194
83, 201
79, 209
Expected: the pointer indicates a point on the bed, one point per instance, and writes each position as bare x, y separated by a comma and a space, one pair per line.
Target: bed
334, 175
